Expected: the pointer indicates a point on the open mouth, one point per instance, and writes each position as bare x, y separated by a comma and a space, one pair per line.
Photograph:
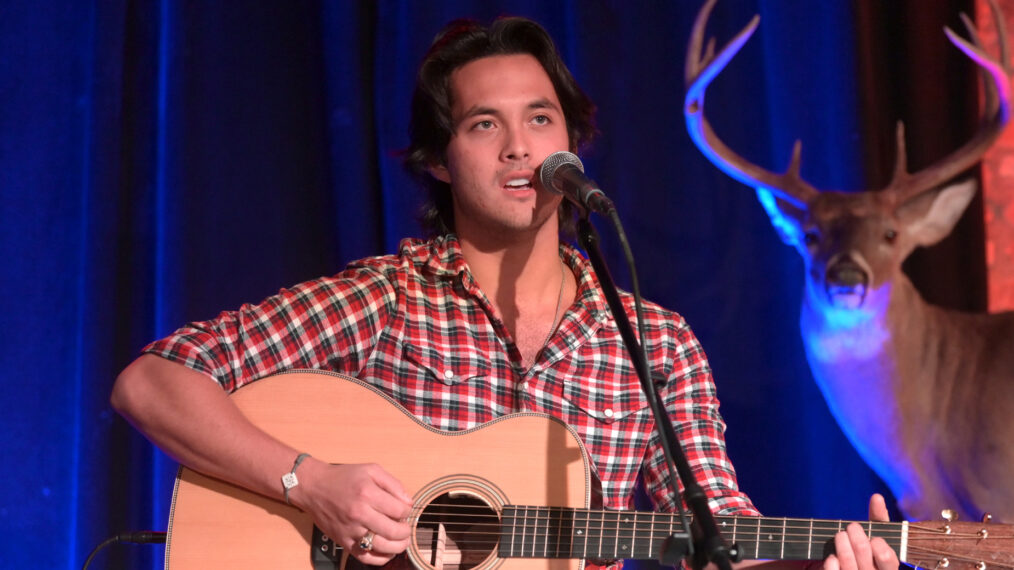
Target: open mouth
845, 284
515, 184
846, 297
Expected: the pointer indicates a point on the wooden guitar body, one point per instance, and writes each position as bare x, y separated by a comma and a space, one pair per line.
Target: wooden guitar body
528, 459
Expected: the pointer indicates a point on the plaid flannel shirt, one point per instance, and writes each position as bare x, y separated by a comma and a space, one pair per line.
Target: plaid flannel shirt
417, 326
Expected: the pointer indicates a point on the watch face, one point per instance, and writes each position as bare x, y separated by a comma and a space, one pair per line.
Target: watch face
289, 480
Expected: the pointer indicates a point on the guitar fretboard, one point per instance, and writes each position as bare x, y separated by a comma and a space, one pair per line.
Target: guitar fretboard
554, 532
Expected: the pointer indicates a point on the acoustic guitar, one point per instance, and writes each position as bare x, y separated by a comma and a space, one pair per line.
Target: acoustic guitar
512, 493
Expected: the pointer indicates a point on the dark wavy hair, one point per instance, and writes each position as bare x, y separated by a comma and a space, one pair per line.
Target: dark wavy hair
430, 126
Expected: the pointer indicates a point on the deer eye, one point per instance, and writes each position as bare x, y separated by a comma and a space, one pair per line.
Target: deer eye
890, 236
810, 238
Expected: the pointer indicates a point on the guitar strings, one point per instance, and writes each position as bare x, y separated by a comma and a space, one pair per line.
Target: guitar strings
593, 546
790, 531
566, 548
754, 524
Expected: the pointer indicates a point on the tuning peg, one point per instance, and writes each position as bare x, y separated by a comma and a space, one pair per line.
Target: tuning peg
987, 518
949, 515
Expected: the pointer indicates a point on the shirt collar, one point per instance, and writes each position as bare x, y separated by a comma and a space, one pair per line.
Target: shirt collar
442, 257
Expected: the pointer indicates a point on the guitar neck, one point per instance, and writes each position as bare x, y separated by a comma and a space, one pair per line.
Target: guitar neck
556, 532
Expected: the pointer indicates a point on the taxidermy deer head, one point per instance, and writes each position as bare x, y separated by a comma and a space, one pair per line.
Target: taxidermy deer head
924, 393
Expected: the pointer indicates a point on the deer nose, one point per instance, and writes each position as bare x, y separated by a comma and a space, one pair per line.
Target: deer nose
845, 271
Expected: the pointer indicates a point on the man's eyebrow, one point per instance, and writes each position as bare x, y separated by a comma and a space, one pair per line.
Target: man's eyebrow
541, 103
544, 103
478, 110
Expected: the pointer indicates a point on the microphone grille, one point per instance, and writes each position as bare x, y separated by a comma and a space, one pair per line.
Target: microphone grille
553, 162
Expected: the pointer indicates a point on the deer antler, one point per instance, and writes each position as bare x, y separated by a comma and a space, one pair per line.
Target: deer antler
701, 69
996, 115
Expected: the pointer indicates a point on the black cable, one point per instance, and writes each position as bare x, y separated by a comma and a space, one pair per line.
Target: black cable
135, 537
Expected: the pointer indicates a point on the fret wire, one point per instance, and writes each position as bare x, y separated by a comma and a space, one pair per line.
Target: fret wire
757, 543
809, 542
782, 551
651, 535
515, 530
535, 534
672, 522
545, 537
552, 522
525, 531
513, 527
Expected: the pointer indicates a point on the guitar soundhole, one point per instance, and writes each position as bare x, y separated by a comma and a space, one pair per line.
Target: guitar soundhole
457, 530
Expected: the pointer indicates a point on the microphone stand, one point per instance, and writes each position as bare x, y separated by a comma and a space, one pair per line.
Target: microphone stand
708, 544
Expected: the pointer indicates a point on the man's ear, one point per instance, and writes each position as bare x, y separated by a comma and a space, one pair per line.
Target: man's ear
439, 171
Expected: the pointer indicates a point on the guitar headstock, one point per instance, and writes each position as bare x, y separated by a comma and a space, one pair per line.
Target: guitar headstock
960, 545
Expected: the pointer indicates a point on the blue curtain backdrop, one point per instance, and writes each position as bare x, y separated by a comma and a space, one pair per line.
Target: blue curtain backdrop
162, 161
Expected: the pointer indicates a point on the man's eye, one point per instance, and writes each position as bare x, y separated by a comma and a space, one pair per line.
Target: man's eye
483, 125
541, 120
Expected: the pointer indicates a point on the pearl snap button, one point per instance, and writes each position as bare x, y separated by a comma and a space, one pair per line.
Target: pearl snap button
448, 374
608, 412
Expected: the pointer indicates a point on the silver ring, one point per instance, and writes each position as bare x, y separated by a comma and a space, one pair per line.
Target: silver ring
366, 542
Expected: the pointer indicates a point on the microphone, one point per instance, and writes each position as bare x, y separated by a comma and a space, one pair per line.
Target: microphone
563, 173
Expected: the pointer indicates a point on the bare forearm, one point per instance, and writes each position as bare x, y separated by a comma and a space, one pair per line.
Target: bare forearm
191, 418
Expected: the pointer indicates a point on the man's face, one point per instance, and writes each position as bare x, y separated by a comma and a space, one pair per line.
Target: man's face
506, 120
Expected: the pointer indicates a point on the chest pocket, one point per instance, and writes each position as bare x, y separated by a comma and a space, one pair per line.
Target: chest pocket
446, 365
606, 403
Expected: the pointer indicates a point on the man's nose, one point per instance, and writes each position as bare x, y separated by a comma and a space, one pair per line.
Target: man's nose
515, 145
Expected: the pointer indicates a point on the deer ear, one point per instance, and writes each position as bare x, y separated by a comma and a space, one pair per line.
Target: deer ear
785, 217
932, 215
